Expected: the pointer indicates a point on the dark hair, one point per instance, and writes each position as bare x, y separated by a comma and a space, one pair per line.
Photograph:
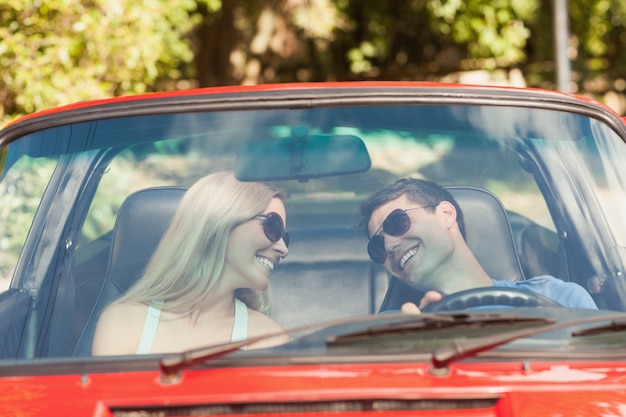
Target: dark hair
419, 191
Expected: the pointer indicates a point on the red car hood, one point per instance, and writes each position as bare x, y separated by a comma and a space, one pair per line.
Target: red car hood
471, 389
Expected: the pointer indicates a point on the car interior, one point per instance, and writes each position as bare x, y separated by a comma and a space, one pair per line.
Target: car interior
339, 280
328, 274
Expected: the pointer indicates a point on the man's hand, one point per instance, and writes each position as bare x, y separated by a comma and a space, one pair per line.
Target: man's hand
429, 297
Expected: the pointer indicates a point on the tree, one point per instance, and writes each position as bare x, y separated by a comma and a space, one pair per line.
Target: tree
322, 40
600, 44
56, 52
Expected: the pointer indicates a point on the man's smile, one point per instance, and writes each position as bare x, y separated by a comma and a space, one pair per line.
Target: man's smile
407, 256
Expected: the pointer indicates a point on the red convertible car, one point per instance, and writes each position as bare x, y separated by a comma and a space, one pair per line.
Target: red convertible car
94, 199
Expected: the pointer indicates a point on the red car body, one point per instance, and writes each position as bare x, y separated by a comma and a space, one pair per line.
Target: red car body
403, 388
565, 378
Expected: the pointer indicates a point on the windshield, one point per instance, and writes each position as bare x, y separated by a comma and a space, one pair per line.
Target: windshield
92, 214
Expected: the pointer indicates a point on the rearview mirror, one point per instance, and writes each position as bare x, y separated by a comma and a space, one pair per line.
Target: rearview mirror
302, 157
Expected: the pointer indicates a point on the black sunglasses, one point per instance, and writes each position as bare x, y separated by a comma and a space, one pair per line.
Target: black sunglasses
274, 228
396, 223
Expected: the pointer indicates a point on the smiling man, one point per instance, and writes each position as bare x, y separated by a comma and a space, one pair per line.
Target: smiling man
416, 231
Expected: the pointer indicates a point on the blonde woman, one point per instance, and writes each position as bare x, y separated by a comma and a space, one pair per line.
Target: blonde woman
208, 280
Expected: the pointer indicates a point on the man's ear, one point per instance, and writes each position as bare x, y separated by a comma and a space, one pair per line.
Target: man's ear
448, 211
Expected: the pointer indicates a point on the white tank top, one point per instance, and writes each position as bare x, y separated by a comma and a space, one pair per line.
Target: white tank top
240, 326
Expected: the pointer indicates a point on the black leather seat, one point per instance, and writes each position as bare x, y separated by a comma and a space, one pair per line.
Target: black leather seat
141, 222
489, 236
327, 276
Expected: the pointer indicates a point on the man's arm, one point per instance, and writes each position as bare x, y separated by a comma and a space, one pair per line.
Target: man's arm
429, 297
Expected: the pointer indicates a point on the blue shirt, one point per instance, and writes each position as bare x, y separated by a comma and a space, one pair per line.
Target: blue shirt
568, 294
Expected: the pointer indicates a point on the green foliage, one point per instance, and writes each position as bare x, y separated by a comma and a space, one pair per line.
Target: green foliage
490, 29
113, 188
56, 52
413, 39
600, 26
4, 151
20, 193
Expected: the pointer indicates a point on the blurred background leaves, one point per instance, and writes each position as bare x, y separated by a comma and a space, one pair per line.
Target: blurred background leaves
56, 52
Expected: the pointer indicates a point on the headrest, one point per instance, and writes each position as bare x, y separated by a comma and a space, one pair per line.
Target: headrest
488, 232
141, 222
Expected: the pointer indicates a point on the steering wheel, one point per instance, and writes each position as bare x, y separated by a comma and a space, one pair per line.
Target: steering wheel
490, 296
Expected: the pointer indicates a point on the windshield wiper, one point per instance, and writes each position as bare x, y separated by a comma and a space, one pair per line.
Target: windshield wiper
613, 326
172, 364
444, 355
434, 322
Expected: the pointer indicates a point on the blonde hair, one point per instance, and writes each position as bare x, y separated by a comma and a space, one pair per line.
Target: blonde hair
190, 258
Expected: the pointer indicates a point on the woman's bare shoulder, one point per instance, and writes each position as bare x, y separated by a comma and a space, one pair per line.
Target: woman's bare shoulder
261, 325
119, 328
125, 307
